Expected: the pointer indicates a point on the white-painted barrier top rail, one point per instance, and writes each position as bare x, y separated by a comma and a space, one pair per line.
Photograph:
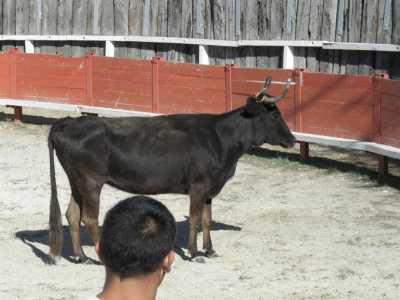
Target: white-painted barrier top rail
208, 42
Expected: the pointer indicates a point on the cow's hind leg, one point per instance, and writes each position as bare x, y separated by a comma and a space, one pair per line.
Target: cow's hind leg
74, 219
196, 205
90, 214
206, 222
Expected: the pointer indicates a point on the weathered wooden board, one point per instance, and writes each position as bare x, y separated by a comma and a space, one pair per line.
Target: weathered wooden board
79, 25
49, 25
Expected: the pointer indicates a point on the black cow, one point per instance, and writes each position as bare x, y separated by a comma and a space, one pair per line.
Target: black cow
192, 154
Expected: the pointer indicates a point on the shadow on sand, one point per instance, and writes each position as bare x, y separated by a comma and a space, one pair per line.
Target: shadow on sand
328, 164
32, 237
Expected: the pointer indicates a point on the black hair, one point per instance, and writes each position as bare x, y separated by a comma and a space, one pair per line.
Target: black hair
137, 234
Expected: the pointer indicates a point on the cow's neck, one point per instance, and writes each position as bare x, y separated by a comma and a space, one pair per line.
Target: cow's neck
235, 131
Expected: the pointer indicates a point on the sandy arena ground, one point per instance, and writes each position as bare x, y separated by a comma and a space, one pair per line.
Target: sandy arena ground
283, 229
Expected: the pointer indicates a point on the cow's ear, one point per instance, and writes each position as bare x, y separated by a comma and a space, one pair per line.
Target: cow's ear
252, 108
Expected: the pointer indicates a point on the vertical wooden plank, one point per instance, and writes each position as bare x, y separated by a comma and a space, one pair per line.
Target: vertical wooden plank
328, 34
121, 25
79, 25
64, 22
251, 31
217, 54
353, 35
22, 19
264, 31
188, 54
174, 27
384, 35
49, 24
368, 35
302, 24
94, 26
135, 26
230, 53
35, 19
395, 58
107, 17
8, 21
314, 28
339, 66
162, 27
242, 51
289, 20
149, 27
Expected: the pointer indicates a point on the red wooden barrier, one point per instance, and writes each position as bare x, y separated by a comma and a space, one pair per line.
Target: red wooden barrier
48, 77
187, 88
390, 113
357, 107
339, 106
122, 83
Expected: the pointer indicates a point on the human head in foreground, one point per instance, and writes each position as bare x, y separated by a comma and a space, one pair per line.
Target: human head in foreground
136, 247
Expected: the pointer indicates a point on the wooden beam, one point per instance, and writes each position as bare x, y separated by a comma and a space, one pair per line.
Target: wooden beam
207, 42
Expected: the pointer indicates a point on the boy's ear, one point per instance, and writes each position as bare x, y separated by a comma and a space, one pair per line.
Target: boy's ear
168, 261
252, 108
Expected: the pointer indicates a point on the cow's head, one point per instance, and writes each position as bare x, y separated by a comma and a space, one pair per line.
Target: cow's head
267, 122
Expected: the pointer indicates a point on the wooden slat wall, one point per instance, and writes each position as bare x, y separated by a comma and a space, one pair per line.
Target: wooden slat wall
334, 20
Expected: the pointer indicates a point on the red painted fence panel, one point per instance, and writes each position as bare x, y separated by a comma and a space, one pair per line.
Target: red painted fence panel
390, 113
4, 76
187, 88
339, 106
49, 77
121, 83
357, 107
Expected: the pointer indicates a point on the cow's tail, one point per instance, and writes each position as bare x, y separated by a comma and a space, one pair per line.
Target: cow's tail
55, 223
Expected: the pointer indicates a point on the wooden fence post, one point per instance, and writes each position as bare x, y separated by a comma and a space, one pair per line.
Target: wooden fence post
155, 62
89, 78
383, 163
298, 78
228, 87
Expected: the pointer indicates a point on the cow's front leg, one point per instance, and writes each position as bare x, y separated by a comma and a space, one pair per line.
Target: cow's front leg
194, 218
206, 222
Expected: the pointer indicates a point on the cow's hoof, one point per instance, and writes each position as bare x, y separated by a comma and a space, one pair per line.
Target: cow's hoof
81, 259
199, 260
211, 253
53, 260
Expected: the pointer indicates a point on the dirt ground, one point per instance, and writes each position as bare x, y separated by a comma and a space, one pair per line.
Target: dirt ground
283, 229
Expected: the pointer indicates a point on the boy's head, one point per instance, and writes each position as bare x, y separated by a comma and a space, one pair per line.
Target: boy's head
137, 238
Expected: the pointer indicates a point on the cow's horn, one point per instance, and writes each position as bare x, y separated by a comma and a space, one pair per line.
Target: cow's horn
267, 83
268, 99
